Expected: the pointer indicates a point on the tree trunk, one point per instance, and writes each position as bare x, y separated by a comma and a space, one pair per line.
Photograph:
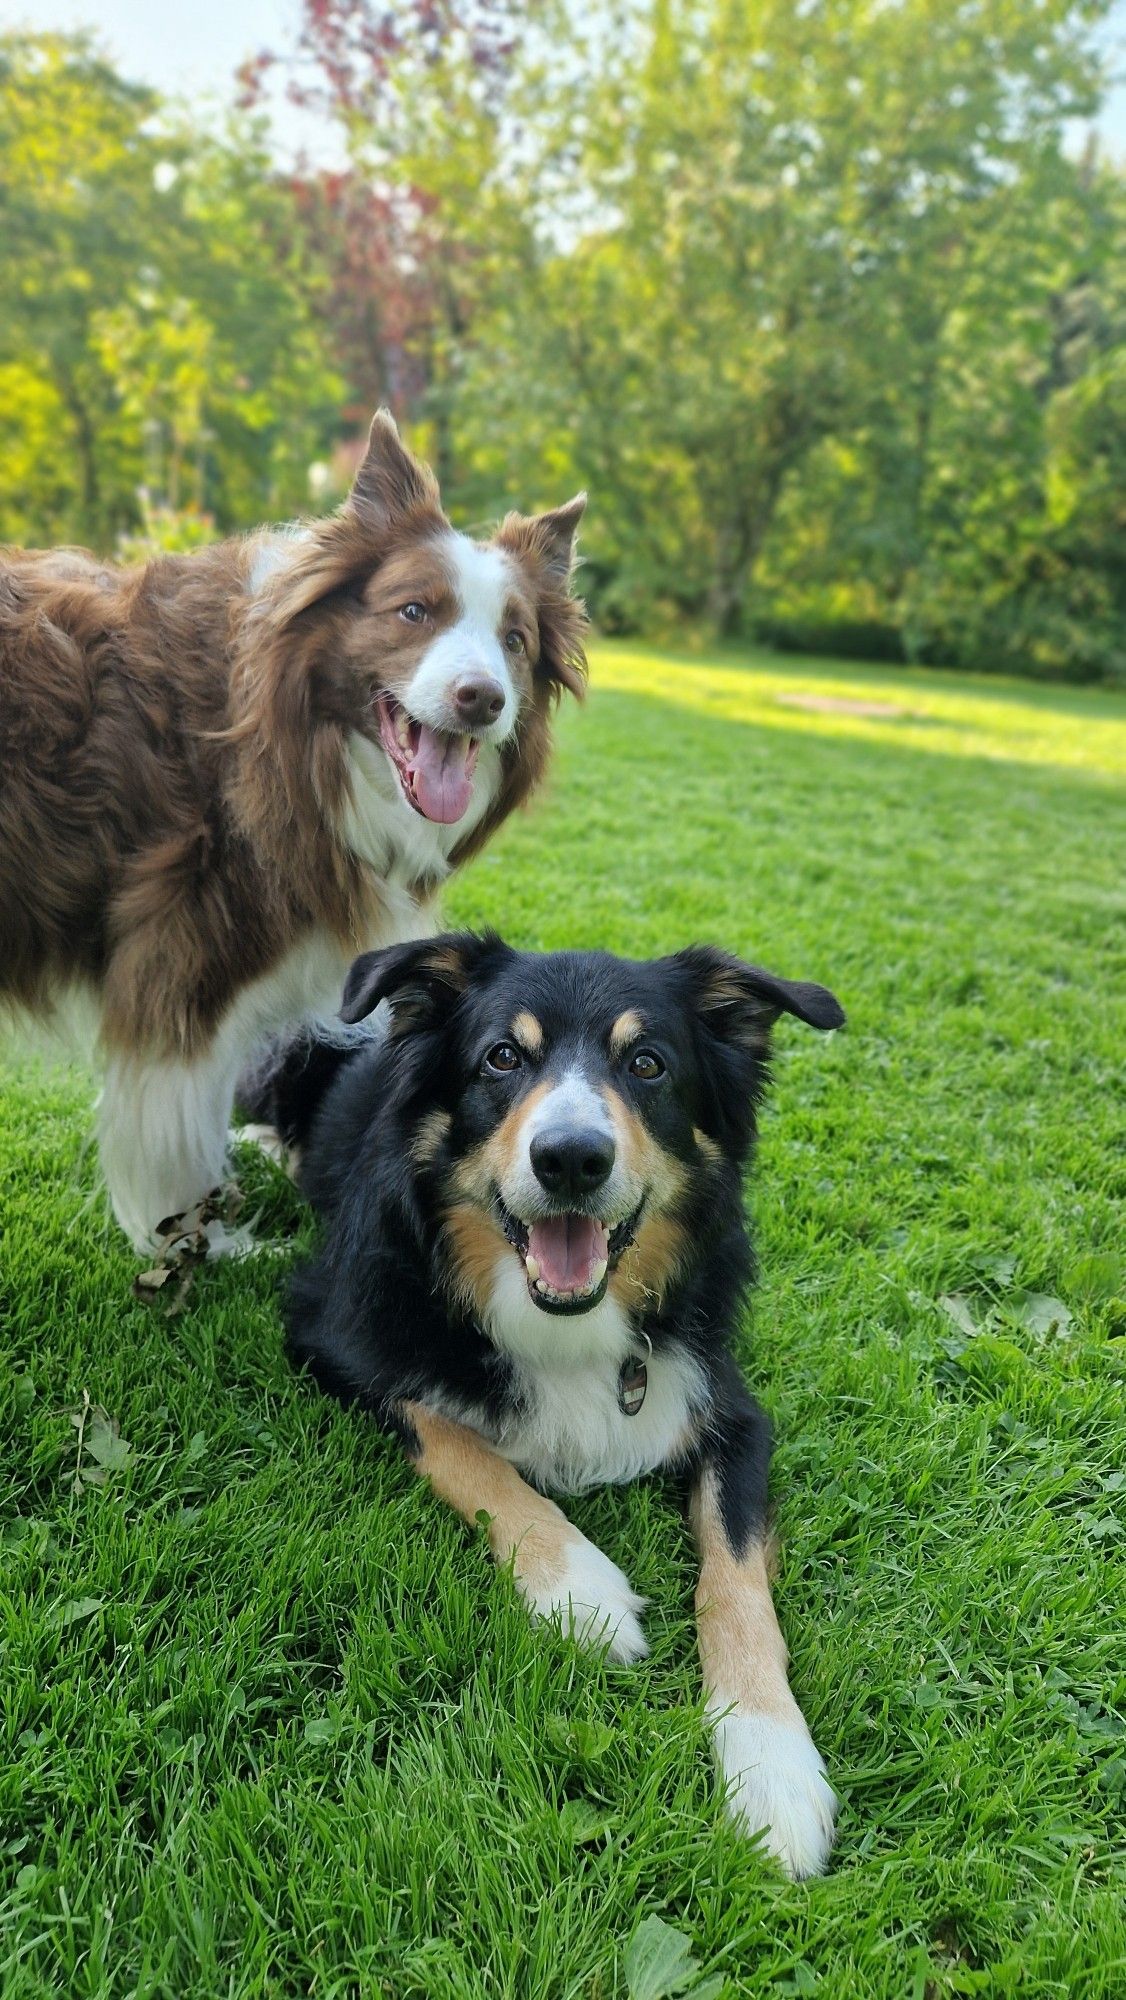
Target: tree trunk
746, 512
86, 446
738, 546
725, 599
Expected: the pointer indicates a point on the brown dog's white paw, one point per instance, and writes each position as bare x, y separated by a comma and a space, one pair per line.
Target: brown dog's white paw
589, 1597
777, 1786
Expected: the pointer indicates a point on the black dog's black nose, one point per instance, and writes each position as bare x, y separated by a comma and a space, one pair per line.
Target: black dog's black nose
572, 1164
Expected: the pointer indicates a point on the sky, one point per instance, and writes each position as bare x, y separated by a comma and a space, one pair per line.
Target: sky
193, 50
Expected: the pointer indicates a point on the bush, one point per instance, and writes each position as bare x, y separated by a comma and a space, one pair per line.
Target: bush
165, 531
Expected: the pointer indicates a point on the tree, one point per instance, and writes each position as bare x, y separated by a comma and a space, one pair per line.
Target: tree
418, 94
787, 208
150, 324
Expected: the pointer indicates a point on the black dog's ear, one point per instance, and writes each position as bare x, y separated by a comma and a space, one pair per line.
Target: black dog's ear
421, 980
740, 1003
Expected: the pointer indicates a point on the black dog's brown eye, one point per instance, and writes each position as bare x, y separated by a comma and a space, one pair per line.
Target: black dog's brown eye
414, 612
504, 1057
645, 1065
514, 641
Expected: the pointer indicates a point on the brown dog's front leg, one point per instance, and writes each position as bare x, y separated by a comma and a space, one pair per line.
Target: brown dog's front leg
763, 1746
559, 1574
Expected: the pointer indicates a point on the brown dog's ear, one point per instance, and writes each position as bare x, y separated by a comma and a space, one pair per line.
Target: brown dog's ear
332, 556
545, 545
740, 1003
546, 542
391, 482
421, 981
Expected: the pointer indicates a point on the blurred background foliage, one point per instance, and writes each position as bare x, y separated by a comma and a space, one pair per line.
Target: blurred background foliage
815, 296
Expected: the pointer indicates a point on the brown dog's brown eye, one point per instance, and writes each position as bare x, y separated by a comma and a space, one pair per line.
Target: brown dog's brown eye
504, 1057
515, 642
414, 613
646, 1066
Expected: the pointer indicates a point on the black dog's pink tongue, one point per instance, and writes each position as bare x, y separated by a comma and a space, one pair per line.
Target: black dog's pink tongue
442, 774
568, 1250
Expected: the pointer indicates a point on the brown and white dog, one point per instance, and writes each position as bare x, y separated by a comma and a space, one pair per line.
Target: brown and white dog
225, 772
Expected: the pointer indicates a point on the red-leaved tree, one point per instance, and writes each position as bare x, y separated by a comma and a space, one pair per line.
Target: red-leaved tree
403, 85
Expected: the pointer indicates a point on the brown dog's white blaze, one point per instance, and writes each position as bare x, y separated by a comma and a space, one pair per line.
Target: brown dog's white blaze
763, 1745
431, 724
557, 1571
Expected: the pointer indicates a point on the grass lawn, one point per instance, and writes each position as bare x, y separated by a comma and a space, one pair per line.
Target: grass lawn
271, 1724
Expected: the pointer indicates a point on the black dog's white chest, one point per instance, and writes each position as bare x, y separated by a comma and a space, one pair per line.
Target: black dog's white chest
604, 1422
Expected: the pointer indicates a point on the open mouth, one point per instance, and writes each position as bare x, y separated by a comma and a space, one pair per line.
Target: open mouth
567, 1259
434, 769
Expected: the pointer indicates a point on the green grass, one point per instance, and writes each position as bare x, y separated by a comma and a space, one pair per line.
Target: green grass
272, 1726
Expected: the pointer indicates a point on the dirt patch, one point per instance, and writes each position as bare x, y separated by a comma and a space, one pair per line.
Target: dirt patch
839, 704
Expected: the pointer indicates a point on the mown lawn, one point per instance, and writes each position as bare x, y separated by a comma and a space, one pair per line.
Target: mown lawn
272, 1726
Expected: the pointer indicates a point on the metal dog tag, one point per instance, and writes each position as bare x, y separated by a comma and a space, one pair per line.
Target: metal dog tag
632, 1384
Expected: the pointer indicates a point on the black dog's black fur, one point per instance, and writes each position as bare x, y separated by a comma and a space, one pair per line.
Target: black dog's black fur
371, 1317
534, 1258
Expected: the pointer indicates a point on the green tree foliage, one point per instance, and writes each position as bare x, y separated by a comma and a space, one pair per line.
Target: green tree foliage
793, 289
156, 324
798, 305
813, 297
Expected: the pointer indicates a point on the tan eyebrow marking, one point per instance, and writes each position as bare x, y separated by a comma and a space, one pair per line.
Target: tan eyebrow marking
527, 1031
625, 1030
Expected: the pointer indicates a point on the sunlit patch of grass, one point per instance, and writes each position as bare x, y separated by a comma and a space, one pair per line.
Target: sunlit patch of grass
271, 1723
955, 715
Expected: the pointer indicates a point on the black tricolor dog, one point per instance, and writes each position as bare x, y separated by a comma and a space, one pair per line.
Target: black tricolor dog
535, 1260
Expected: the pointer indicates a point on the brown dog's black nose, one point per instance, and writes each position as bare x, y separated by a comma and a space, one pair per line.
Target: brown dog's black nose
572, 1165
478, 699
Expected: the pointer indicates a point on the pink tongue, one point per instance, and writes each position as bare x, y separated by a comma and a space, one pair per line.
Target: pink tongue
567, 1248
442, 773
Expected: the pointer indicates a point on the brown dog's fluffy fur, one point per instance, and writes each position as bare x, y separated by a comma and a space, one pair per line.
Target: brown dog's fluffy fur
174, 747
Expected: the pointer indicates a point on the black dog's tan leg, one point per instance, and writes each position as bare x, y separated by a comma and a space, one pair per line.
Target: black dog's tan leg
765, 1752
559, 1574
